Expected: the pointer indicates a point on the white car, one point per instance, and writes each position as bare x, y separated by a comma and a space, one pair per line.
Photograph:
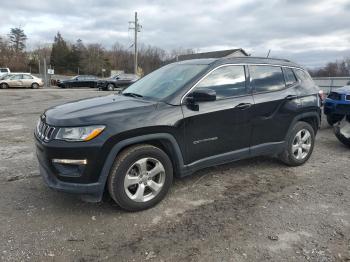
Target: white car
4, 71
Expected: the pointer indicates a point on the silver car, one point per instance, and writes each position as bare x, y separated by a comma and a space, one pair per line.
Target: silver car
21, 80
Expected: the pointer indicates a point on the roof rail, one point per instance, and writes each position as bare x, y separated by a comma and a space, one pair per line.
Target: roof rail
272, 58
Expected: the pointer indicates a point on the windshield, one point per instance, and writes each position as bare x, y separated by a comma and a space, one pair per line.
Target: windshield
164, 81
5, 77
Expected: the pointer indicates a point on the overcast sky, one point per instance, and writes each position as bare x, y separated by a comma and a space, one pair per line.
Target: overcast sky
306, 31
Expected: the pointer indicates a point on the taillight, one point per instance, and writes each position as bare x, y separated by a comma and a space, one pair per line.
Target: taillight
322, 95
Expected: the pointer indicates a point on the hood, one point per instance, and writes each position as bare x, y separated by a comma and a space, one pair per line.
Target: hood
97, 110
345, 90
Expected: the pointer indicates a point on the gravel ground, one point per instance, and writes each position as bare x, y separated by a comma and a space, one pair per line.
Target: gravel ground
251, 210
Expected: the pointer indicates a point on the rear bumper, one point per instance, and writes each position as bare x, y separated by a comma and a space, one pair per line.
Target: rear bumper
102, 85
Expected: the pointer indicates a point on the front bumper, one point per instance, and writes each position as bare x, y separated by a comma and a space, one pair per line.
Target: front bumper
102, 85
89, 192
339, 107
84, 180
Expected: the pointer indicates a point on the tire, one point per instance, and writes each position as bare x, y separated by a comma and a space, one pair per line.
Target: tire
35, 86
4, 86
298, 151
333, 118
129, 182
110, 87
340, 136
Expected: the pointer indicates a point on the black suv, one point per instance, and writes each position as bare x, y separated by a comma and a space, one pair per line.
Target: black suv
182, 117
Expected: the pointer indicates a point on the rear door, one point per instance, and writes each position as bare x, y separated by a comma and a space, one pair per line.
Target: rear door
276, 105
220, 126
27, 80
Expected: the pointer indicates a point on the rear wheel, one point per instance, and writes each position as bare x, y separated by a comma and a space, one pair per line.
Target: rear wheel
110, 87
300, 145
140, 177
35, 86
334, 118
4, 86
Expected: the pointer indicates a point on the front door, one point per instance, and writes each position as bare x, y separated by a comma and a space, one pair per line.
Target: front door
16, 81
221, 126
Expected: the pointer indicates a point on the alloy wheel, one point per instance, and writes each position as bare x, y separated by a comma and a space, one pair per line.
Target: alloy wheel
110, 87
301, 144
144, 179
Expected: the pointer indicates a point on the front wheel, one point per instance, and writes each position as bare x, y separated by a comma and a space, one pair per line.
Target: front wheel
35, 86
299, 144
4, 86
342, 131
333, 118
140, 177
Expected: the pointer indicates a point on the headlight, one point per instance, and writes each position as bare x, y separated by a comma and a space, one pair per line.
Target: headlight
84, 133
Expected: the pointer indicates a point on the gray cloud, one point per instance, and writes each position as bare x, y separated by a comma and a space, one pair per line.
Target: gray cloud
311, 32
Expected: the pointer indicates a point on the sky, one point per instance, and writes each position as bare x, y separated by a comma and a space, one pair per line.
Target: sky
308, 32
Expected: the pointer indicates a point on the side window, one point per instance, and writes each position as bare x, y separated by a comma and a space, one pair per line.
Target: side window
27, 77
226, 81
266, 78
289, 76
16, 77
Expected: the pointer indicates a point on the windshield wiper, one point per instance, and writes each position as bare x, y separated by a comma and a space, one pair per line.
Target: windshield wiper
132, 94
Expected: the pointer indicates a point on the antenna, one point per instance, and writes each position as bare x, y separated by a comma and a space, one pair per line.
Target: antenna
268, 54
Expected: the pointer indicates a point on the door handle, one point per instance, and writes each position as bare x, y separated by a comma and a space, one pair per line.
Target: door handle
243, 106
291, 97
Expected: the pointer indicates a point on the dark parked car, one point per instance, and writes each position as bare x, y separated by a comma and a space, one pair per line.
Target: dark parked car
119, 82
337, 104
78, 81
178, 119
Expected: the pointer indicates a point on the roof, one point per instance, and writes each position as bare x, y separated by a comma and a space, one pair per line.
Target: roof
213, 54
241, 60
258, 60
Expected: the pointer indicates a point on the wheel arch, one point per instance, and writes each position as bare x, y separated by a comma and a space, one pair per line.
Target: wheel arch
164, 141
312, 118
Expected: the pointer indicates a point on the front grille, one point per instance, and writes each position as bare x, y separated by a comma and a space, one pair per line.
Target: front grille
44, 131
347, 97
334, 96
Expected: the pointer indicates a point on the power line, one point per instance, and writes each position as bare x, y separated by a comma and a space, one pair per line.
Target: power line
134, 25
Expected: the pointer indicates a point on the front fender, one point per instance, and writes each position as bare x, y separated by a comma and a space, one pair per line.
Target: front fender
135, 140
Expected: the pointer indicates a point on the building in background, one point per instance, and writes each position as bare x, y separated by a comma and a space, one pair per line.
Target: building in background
214, 54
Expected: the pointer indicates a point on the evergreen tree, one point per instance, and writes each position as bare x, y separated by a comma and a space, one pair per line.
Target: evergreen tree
60, 54
17, 39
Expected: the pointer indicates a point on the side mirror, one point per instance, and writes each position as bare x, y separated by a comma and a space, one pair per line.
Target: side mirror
202, 95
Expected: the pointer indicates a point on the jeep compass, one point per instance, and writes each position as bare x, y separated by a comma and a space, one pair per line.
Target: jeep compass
178, 119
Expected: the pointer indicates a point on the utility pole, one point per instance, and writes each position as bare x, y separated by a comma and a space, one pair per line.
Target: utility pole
134, 25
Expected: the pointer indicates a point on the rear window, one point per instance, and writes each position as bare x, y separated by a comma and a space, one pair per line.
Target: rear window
266, 78
289, 76
27, 77
304, 78
3, 70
